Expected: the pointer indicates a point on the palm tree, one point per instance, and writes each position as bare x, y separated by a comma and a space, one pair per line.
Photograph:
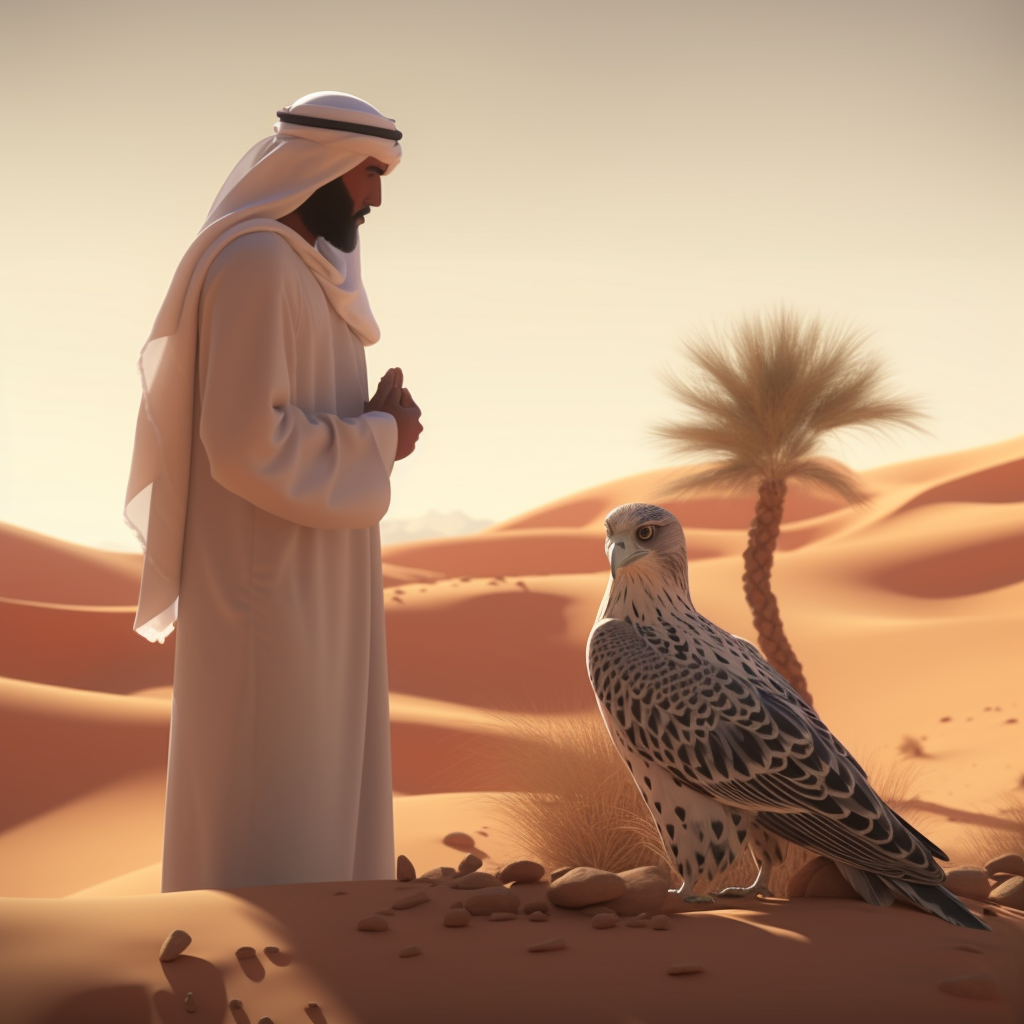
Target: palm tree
761, 408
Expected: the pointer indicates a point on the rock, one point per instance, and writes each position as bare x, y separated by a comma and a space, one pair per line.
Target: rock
522, 871
469, 863
410, 951
1009, 894
175, 944
828, 883
491, 901
558, 872
545, 947
457, 918
686, 969
970, 986
583, 887
437, 874
541, 905
235, 1004
476, 880
1011, 863
645, 891
190, 1003
660, 923
245, 952
265, 1020
502, 915
373, 924
405, 872
606, 919
637, 922
537, 915
459, 840
271, 950
797, 884
971, 883
406, 902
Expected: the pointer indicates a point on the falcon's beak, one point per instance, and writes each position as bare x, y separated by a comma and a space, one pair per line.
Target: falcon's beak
623, 550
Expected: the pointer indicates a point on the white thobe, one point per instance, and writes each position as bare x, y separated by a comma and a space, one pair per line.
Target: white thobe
280, 761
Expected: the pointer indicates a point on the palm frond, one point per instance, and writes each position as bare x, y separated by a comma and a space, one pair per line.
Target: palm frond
762, 401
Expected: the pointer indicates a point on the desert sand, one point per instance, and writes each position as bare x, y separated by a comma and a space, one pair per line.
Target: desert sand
906, 614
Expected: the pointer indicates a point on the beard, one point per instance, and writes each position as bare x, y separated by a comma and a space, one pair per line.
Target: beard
328, 214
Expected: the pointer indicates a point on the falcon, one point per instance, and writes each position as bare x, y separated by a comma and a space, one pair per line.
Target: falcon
725, 753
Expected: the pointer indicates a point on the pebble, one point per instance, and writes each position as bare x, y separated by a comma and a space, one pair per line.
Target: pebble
373, 924
175, 944
271, 950
404, 871
1011, 863
970, 986
245, 953
490, 901
558, 872
265, 1020
604, 920
1009, 894
312, 1006
476, 880
544, 947
457, 918
660, 923
537, 915
190, 1003
502, 915
584, 886
459, 840
469, 863
645, 891
410, 951
541, 905
235, 1004
521, 871
686, 969
969, 882
406, 902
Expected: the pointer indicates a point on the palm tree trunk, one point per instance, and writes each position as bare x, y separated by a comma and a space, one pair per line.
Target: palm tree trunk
757, 585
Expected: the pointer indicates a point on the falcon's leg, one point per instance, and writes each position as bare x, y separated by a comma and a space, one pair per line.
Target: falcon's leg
767, 851
759, 886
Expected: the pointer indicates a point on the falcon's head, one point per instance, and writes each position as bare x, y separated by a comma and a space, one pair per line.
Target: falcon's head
645, 538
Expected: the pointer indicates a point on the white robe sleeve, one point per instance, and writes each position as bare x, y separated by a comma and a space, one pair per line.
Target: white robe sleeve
316, 469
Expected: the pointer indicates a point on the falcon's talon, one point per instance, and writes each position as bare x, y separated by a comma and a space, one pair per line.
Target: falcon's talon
738, 892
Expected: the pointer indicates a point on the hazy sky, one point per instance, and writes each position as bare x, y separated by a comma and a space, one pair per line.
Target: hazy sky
584, 185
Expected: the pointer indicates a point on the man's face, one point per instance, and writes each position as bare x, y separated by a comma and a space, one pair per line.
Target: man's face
335, 210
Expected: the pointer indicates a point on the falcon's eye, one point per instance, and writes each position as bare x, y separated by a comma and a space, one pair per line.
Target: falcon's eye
645, 533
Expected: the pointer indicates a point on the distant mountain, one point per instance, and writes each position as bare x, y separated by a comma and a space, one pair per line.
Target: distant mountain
432, 524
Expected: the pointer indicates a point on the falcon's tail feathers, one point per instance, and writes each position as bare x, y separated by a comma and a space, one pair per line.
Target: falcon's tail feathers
936, 900
933, 899
869, 887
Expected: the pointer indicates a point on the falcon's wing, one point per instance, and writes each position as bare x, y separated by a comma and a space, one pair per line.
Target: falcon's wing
719, 719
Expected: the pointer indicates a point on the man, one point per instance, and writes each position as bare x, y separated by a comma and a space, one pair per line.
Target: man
260, 474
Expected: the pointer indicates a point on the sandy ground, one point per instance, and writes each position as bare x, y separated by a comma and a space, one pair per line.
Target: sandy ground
905, 613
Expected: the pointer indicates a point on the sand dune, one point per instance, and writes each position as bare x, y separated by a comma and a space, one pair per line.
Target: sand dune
906, 613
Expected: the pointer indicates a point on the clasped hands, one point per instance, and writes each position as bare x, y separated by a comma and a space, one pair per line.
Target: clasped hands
391, 397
